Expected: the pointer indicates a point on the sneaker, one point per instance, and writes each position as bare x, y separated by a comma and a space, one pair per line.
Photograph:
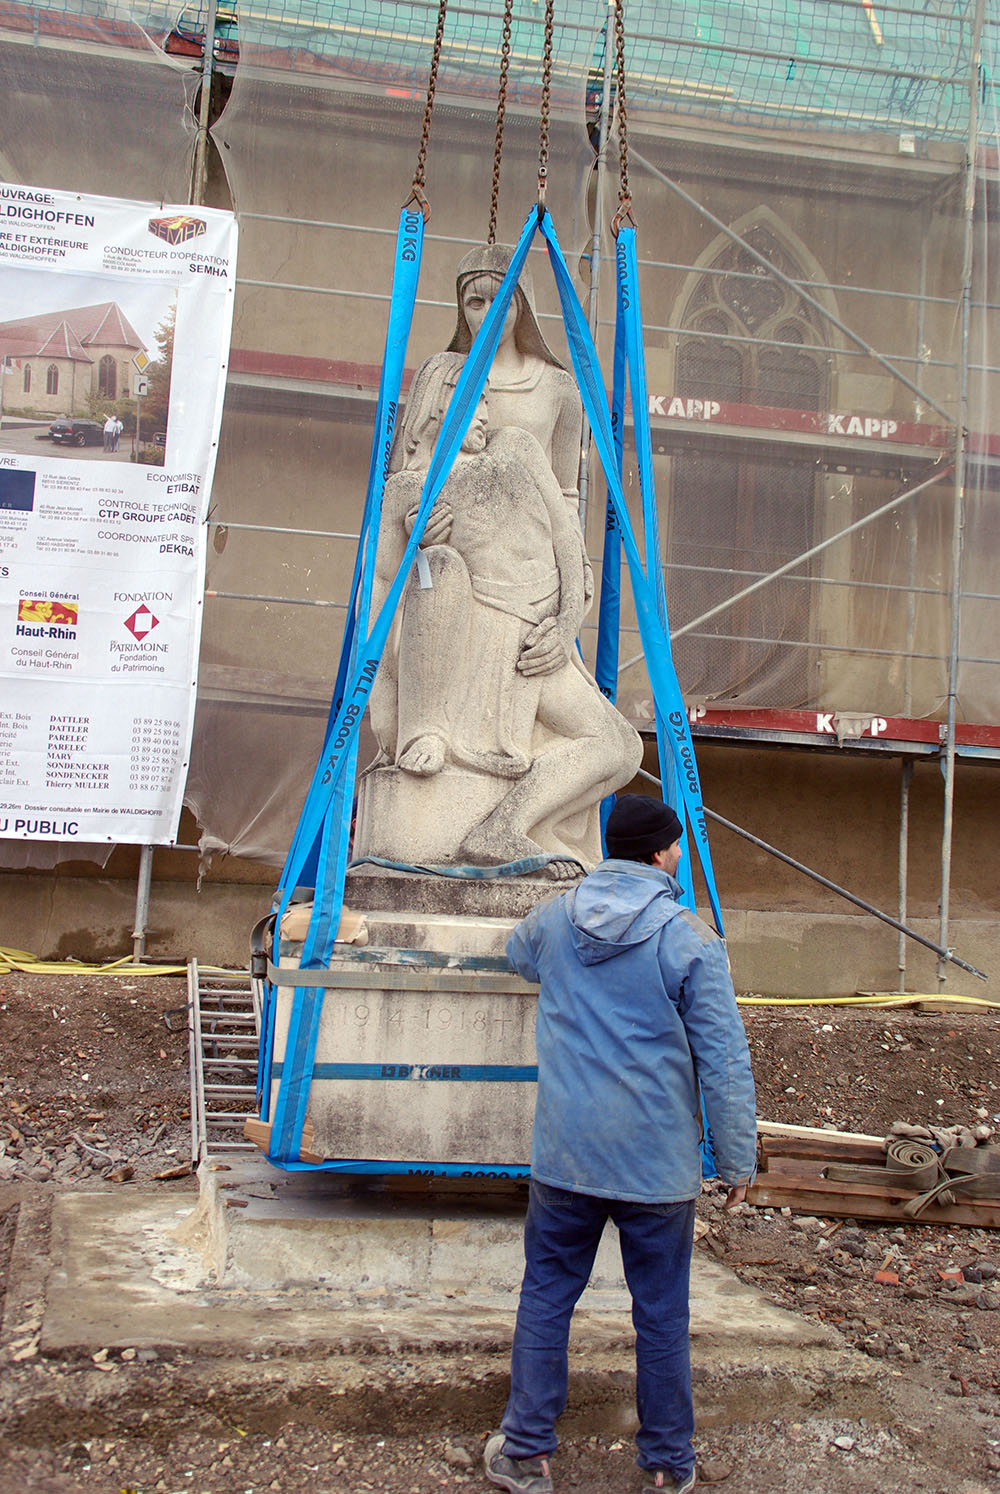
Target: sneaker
519, 1475
666, 1483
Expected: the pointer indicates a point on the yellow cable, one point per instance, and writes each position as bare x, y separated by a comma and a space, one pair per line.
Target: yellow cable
28, 964
25, 963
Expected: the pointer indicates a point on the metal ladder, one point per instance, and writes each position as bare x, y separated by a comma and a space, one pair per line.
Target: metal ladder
223, 1037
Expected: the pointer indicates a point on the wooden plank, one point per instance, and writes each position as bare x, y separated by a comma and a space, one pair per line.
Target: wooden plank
779, 1128
986, 1189
801, 1167
259, 1132
807, 1146
818, 1196
814, 1182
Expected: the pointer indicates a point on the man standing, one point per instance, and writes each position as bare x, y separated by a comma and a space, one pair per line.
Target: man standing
635, 1009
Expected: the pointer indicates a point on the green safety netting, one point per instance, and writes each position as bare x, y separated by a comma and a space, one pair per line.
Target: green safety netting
823, 64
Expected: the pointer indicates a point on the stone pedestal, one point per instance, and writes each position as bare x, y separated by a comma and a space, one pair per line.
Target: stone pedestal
423, 1055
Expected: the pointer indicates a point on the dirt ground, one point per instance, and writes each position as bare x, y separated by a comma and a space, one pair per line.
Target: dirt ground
94, 1095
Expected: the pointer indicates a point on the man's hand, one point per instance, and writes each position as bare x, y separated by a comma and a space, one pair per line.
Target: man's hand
542, 651
437, 530
736, 1195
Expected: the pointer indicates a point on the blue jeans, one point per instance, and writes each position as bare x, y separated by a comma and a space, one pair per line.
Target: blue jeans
561, 1236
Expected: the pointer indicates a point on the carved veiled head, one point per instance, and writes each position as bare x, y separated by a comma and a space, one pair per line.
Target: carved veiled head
487, 265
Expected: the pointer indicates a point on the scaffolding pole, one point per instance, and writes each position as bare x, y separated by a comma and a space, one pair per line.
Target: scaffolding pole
595, 243
793, 564
199, 180
144, 882
906, 778
958, 512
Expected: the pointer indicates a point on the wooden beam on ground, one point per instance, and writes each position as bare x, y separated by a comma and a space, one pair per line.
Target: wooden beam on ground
259, 1132
791, 1176
818, 1197
779, 1128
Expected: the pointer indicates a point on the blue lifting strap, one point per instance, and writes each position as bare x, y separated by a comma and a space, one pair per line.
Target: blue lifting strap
319, 848
609, 612
629, 315
606, 658
656, 644
409, 249
326, 815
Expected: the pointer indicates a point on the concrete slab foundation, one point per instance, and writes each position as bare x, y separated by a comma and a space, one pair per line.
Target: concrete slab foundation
265, 1263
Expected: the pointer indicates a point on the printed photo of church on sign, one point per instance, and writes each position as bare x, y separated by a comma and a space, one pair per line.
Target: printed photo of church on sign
73, 373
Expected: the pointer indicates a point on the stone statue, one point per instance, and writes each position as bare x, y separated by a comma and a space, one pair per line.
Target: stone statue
500, 742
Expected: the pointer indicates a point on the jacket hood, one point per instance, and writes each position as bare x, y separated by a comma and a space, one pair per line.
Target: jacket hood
618, 906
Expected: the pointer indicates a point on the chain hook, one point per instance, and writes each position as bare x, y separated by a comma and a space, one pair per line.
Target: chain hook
417, 199
417, 188
543, 132
623, 217
501, 114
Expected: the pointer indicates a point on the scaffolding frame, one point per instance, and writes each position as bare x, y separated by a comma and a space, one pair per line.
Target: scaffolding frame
864, 348
968, 174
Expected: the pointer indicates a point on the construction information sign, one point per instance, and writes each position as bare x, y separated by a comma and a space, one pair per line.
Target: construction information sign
115, 320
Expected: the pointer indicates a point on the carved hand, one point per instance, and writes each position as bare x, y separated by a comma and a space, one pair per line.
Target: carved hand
542, 651
437, 530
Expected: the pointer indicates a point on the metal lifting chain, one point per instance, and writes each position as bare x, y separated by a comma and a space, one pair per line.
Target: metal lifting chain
501, 113
543, 134
417, 189
624, 213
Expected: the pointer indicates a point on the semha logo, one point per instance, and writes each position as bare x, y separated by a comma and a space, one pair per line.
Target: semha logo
177, 230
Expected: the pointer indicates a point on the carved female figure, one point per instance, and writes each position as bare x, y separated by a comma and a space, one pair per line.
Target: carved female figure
529, 388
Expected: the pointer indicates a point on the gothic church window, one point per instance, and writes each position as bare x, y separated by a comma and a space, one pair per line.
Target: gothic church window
736, 512
107, 377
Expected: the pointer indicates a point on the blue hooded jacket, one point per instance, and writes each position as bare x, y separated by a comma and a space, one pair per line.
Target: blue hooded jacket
636, 1007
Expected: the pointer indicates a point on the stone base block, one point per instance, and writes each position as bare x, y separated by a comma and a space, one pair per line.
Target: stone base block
420, 1059
422, 820
411, 896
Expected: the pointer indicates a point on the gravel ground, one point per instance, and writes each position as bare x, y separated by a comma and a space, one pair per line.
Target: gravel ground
94, 1095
